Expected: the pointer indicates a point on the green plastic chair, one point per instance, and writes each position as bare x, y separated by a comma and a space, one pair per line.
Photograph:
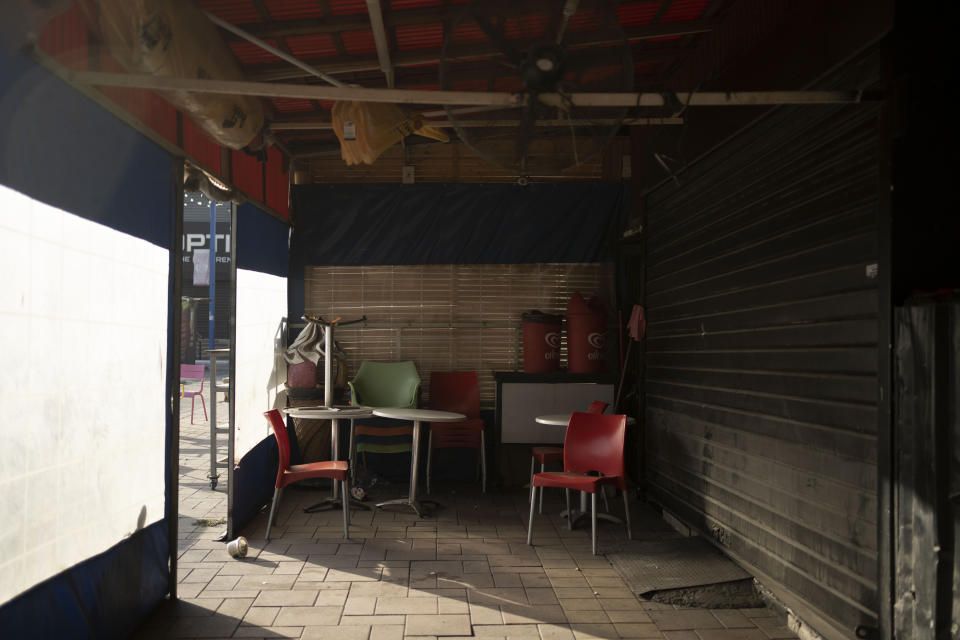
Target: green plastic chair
383, 384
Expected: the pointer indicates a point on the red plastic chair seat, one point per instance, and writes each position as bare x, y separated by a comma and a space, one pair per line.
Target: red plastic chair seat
575, 481
288, 473
335, 469
544, 455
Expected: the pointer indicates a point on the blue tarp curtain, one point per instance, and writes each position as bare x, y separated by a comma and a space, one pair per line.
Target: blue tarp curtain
262, 245
262, 241
61, 148
388, 224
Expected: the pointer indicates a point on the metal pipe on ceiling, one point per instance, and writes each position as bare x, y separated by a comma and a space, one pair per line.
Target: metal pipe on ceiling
380, 39
223, 24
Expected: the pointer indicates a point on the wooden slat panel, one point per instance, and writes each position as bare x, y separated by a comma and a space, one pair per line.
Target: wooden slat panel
761, 354
447, 295
455, 162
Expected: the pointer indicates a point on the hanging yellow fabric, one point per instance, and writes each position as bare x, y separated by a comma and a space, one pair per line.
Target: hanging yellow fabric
367, 129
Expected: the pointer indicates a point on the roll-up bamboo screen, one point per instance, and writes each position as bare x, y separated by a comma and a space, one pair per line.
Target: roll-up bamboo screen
447, 317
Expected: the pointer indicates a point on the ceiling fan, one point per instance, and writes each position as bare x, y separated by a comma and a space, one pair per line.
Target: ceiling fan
538, 47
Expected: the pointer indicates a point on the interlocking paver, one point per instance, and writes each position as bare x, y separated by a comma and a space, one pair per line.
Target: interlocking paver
637, 630
275, 598
343, 632
466, 572
684, 619
732, 634
386, 605
437, 625
732, 619
302, 616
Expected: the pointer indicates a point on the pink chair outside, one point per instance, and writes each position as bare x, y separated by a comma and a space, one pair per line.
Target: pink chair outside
194, 372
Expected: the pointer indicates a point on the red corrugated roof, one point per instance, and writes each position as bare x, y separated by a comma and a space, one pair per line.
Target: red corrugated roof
634, 14
319, 45
293, 9
467, 32
397, 5
235, 11
347, 7
680, 10
291, 105
357, 42
249, 53
586, 19
65, 38
419, 37
523, 27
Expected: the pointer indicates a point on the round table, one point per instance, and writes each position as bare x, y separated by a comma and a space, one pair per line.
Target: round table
417, 416
562, 420
334, 415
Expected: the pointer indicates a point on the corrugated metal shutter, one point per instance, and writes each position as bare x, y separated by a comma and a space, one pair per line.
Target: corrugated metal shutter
446, 317
761, 355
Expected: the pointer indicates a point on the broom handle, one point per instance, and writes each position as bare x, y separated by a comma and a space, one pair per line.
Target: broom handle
623, 373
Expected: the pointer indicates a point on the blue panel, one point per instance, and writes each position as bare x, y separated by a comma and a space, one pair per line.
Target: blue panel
253, 481
262, 242
106, 596
382, 224
61, 148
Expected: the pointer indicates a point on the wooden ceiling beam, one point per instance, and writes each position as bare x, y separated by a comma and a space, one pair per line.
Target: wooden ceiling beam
317, 125
467, 98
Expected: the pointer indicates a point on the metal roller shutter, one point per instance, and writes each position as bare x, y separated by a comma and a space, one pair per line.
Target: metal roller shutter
761, 353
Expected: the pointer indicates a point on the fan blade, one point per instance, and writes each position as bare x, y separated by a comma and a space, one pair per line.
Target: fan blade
498, 39
569, 8
525, 131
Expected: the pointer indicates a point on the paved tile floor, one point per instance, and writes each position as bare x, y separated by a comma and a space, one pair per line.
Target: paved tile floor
465, 572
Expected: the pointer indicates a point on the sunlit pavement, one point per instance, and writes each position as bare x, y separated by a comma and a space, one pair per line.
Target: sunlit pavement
464, 572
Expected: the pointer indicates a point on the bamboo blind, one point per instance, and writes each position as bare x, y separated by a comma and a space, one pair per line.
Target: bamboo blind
431, 314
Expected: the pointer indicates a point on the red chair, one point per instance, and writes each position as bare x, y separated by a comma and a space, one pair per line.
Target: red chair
336, 470
593, 445
555, 454
193, 372
457, 391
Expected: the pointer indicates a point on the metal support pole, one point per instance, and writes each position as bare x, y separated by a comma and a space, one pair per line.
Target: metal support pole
213, 475
213, 275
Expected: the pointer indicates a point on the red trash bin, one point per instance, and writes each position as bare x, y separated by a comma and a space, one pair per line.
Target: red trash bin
586, 334
541, 342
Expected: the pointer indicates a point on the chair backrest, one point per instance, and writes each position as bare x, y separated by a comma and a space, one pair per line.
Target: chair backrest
385, 384
597, 406
594, 442
457, 391
193, 372
279, 426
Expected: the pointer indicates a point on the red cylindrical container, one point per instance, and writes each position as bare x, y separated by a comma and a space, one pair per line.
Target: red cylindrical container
586, 334
541, 342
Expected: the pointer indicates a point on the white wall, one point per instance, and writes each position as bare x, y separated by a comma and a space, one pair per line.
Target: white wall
83, 331
261, 304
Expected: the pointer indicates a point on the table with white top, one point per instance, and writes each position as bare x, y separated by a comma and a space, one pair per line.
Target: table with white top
334, 415
417, 416
562, 420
